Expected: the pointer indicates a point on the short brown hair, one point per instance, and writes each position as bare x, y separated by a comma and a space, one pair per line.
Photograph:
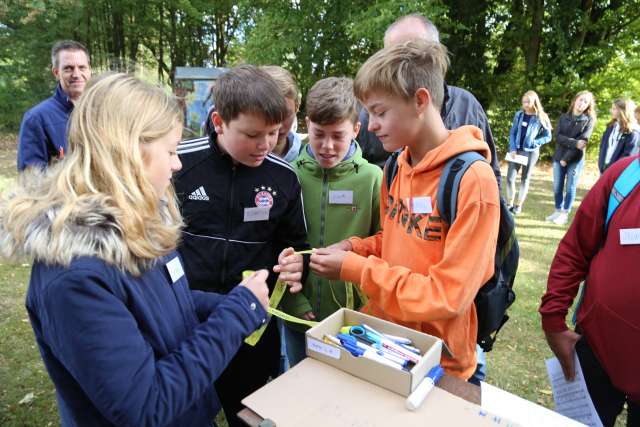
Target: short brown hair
246, 89
402, 69
331, 100
66, 45
285, 82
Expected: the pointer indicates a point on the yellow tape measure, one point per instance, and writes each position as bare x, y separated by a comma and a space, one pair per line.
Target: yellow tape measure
274, 301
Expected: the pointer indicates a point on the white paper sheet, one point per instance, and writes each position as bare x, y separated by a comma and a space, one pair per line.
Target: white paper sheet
572, 398
518, 158
518, 410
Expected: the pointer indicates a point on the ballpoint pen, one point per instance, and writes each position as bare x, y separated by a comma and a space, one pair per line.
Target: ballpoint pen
416, 398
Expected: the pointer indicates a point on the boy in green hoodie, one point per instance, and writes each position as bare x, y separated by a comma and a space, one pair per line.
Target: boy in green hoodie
341, 192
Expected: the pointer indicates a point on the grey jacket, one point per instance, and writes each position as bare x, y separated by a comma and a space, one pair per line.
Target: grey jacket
459, 108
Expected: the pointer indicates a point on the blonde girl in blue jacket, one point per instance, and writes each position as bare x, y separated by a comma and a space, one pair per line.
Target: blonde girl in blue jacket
531, 129
123, 338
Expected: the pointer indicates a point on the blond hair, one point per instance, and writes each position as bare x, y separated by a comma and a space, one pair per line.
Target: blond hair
626, 117
285, 82
331, 100
400, 70
537, 106
116, 115
590, 110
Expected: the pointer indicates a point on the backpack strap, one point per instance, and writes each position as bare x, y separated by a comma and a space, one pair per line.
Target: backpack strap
454, 169
624, 185
391, 168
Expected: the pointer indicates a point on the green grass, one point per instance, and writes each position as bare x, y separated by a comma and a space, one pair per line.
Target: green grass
516, 364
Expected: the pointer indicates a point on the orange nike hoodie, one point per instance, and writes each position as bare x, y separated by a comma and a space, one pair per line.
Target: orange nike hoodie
417, 271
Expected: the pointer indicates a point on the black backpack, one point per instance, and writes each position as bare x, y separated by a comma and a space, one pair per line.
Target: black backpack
496, 295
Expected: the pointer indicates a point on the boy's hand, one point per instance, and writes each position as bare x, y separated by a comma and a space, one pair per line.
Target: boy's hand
563, 163
343, 245
290, 267
513, 154
581, 144
257, 284
563, 345
327, 262
309, 316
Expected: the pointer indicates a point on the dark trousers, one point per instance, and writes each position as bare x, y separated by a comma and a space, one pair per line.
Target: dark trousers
607, 399
247, 372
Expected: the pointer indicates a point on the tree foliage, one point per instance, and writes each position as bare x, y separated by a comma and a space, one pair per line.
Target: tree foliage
499, 48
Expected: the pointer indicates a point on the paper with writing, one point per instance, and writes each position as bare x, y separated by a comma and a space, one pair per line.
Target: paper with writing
572, 398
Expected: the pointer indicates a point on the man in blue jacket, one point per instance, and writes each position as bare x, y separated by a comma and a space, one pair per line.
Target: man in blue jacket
43, 132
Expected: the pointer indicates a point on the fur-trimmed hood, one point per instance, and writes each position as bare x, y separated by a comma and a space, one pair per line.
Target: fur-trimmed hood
91, 229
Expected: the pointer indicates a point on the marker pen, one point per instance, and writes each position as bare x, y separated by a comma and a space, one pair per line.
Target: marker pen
387, 343
416, 398
367, 354
344, 338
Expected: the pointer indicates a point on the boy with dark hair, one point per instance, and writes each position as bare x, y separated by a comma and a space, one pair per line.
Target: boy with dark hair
342, 191
243, 211
417, 271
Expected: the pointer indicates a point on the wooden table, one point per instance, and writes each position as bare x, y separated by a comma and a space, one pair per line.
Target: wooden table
453, 385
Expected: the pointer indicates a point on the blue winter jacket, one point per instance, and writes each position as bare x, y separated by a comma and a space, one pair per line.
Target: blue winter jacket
121, 349
536, 134
43, 131
135, 351
626, 144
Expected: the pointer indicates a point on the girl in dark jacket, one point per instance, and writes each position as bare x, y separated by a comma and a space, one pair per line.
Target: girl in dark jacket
621, 137
572, 133
123, 339
531, 129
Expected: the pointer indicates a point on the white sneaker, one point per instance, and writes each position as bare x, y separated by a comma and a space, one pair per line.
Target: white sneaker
561, 219
553, 216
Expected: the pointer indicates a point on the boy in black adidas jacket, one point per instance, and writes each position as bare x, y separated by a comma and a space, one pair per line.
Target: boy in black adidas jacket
243, 210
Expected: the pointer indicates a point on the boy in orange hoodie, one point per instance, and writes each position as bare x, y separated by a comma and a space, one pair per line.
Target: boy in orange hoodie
417, 271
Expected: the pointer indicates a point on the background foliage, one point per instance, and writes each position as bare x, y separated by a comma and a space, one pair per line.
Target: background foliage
499, 48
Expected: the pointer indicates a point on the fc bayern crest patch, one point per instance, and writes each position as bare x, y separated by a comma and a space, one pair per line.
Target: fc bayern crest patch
264, 196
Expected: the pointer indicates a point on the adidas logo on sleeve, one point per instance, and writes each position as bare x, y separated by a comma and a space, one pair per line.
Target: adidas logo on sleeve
199, 194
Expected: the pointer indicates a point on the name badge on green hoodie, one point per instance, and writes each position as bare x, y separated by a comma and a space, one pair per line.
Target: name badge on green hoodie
342, 197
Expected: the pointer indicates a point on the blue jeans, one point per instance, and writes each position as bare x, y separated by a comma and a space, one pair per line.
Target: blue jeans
571, 173
481, 367
284, 360
296, 346
525, 178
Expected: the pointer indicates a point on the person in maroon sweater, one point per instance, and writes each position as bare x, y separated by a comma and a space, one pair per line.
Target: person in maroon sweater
607, 335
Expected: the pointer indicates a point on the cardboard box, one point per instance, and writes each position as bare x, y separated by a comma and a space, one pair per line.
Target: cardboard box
401, 382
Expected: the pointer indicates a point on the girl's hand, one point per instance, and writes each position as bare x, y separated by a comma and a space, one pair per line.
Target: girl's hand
257, 284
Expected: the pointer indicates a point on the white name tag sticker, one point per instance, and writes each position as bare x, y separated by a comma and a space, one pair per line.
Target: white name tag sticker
320, 347
174, 267
421, 205
344, 197
630, 236
525, 124
256, 214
